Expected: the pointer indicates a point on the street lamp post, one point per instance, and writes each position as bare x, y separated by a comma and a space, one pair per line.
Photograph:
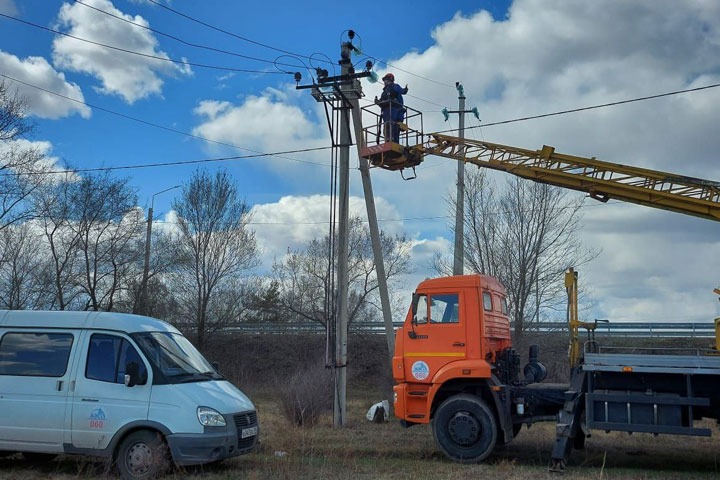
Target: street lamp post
146, 267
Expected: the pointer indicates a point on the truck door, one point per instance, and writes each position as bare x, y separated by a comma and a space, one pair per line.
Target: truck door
34, 377
437, 337
102, 403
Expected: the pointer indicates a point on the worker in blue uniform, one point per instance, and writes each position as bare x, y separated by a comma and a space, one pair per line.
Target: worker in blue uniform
392, 107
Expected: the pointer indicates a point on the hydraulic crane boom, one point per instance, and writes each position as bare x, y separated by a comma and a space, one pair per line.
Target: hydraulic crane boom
601, 180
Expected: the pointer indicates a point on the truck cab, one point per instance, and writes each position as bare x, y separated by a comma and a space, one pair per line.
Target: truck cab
455, 368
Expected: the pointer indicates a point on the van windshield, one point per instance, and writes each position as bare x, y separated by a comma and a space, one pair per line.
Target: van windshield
175, 357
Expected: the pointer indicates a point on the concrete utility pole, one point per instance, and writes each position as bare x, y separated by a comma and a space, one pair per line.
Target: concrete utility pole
146, 266
339, 409
374, 229
459, 253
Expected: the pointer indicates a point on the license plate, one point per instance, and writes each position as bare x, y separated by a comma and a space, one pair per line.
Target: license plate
249, 432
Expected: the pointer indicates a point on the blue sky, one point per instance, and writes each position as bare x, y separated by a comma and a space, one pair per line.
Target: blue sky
515, 59
391, 29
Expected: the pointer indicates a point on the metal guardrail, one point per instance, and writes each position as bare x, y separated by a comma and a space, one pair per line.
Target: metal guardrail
626, 329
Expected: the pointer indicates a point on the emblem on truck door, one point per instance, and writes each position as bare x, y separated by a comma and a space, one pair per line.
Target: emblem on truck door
420, 370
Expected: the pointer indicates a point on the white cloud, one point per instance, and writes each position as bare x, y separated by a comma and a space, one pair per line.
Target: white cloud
131, 76
260, 122
43, 150
554, 55
8, 7
293, 221
37, 71
550, 55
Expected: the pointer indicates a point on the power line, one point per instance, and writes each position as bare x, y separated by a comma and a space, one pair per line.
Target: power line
412, 219
146, 55
581, 109
287, 52
226, 32
178, 39
379, 60
156, 125
160, 164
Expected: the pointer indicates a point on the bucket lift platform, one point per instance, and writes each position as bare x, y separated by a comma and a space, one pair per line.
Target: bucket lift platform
382, 150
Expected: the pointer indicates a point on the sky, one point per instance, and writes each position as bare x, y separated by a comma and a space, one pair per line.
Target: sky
515, 59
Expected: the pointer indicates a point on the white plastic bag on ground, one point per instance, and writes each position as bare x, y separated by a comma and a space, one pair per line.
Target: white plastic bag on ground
379, 412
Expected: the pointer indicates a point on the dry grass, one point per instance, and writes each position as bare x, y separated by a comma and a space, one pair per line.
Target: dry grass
366, 450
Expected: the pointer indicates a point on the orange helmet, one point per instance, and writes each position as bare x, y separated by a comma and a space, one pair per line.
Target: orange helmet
389, 76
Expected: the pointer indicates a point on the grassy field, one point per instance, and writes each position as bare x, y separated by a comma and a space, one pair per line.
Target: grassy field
365, 450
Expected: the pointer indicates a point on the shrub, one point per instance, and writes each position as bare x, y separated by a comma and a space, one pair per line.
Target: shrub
306, 394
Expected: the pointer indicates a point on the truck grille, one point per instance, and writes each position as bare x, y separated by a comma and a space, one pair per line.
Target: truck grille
245, 420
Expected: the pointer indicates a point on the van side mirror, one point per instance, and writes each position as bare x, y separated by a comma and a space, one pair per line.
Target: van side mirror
132, 374
216, 366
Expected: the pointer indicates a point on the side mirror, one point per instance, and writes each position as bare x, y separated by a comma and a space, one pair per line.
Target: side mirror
216, 366
413, 307
132, 374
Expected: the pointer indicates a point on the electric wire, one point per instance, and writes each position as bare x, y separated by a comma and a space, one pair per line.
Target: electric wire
156, 125
592, 107
419, 218
145, 55
158, 164
287, 52
379, 60
226, 32
181, 40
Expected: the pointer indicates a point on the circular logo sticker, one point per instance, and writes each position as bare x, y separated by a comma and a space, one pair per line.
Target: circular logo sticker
420, 370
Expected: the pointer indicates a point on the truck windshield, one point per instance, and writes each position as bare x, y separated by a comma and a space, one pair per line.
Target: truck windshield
175, 357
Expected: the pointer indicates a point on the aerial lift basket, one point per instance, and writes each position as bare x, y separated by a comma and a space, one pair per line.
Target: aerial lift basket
380, 148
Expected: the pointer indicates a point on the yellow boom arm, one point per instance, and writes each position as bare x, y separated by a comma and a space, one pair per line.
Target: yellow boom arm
602, 180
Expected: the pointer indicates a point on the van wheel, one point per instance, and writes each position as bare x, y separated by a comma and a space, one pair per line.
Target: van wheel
142, 455
36, 457
465, 428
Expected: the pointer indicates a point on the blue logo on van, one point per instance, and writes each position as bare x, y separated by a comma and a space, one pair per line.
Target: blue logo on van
97, 414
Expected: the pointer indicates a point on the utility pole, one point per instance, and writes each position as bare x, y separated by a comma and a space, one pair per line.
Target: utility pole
374, 229
143, 310
340, 94
339, 407
459, 252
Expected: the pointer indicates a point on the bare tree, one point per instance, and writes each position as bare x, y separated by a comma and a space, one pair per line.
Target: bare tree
526, 236
53, 204
22, 268
305, 280
107, 224
21, 166
215, 249
158, 300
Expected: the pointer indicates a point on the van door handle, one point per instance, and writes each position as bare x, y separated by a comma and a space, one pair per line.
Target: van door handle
90, 400
458, 344
59, 385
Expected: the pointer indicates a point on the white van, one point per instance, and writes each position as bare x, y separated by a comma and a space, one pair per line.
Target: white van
121, 386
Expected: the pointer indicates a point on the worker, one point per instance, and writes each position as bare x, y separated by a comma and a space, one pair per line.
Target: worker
391, 107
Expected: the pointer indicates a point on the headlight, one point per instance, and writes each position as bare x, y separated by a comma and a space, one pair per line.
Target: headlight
210, 418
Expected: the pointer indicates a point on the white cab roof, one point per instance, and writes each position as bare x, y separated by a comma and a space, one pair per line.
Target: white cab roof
122, 322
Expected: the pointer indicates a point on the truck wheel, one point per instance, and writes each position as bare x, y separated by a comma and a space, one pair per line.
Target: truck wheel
36, 457
142, 455
464, 428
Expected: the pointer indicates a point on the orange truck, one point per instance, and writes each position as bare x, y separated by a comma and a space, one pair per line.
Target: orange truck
456, 370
